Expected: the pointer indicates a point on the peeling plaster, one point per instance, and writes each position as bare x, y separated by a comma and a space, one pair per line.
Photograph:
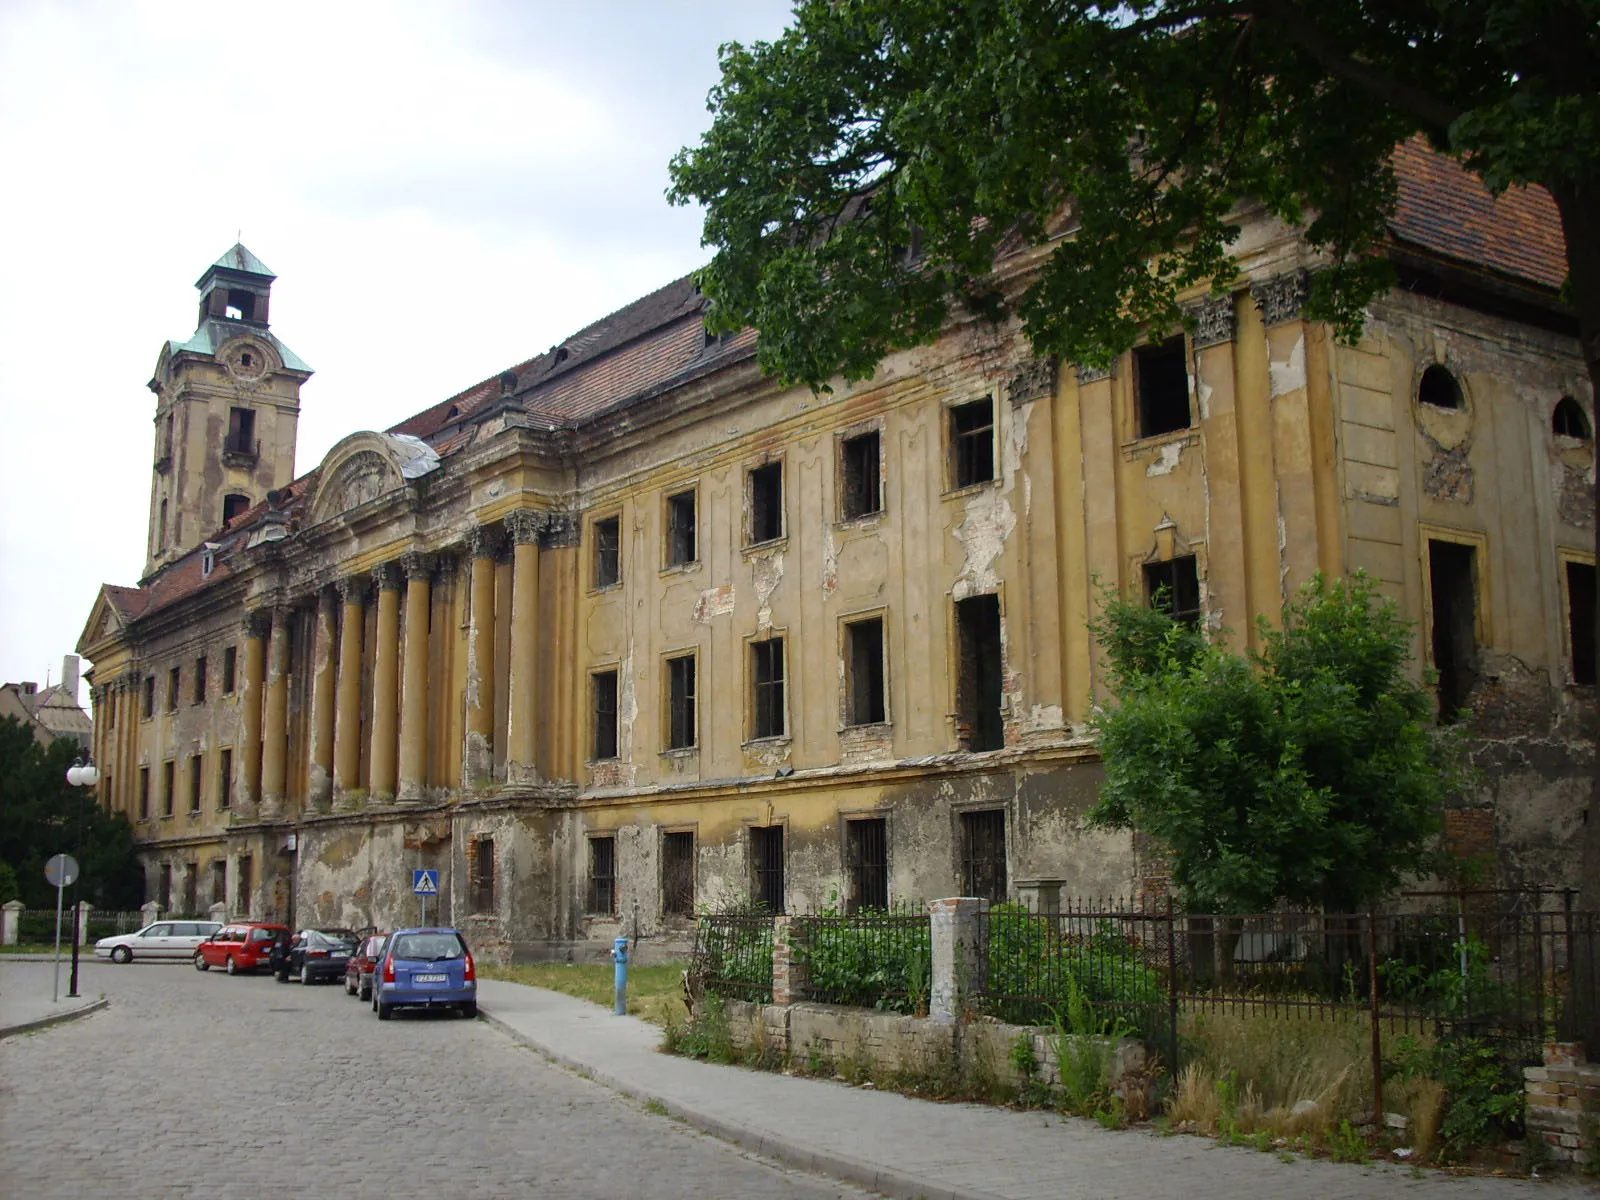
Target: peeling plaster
1289, 376
830, 563
714, 602
1166, 461
1202, 396
767, 573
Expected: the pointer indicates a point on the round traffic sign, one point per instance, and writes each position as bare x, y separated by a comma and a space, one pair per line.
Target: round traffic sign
61, 870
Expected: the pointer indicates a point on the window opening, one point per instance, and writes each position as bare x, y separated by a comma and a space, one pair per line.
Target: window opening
972, 443
191, 893
677, 874
144, 793
767, 673
173, 682
978, 722
766, 503
147, 701
200, 680
161, 526
241, 431
862, 484
241, 304
681, 702
225, 780
1161, 382
603, 875
194, 783
866, 843
230, 664
681, 533
1439, 388
864, 682
983, 855
605, 714
482, 882
241, 903
1580, 620
1452, 577
607, 552
168, 771
166, 888
1569, 420
233, 504
1173, 587
766, 858
219, 881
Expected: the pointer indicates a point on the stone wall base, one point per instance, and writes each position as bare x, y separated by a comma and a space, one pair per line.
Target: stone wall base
1564, 1102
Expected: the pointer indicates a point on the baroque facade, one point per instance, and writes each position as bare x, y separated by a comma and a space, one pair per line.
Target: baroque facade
631, 629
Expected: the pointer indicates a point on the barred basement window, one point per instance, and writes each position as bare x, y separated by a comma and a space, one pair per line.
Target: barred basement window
983, 855
681, 703
677, 874
1173, 587
866, 844
972, 443
862, 491
767, 683
482, 876
608, 552
682, 537
766, 866
1161, 383
605, 714
603, 875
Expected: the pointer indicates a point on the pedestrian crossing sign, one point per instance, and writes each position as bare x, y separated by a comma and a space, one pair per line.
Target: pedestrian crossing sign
425, 882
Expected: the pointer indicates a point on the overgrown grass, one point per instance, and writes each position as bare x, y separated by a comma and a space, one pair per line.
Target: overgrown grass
654, 993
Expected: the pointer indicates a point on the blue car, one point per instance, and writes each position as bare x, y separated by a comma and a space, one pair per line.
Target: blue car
425, 968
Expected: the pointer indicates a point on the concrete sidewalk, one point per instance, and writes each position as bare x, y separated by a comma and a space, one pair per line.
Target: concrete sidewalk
916, 1148
25, 991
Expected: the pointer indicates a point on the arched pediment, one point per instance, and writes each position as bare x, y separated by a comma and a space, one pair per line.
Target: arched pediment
365, 466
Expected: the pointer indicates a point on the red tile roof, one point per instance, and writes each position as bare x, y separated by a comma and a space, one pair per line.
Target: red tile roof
1444, 208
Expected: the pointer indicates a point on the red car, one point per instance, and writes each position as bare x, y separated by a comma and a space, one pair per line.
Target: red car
241, 946
358, 971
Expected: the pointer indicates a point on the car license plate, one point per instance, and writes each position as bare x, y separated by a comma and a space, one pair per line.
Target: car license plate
428, 978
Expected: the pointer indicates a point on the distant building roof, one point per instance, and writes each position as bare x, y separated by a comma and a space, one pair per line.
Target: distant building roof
240, 259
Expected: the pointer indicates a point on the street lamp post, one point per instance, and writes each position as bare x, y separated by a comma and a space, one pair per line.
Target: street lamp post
80, 774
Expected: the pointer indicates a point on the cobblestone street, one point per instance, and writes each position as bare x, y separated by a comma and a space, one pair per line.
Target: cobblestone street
198, 1085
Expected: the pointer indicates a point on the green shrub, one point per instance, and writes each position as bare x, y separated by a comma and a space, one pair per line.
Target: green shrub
870, 963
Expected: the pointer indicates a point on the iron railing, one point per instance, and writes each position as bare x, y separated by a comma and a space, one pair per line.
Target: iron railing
733, 956
880, 960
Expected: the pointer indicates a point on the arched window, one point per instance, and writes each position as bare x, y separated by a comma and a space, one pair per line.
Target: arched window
1439, 388
232, 505
1570, 420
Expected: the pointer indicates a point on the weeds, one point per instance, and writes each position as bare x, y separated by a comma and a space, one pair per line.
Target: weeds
1346, 1144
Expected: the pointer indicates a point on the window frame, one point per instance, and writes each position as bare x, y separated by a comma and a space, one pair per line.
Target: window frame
592, 893
169, 775
856, 898
482, 896
1176, 345
770, 469
597, 714
224, 778
202, 682
852, 475
761, 875
230, 670
759, 646
671, 667
851, 701
598, 580
967, 860
1193, 617
957, 441
196, 782
668, 895
174, 687
672, 504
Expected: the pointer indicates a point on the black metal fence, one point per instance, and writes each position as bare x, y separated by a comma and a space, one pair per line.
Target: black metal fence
37, 926
733, 956
880, 960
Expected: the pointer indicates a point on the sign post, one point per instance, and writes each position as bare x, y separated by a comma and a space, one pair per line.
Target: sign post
424, 883
61, 870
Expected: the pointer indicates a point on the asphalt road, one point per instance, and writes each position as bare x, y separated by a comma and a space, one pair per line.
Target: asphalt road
198, 1085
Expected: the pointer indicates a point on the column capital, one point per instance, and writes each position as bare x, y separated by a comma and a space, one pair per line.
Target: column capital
386, 577
352, 589
561, 529
1033, 379
1088, 374
524, 526
258, 623
1213, 320
482, 541
444, 567
327, 598
417, 565
1281, 297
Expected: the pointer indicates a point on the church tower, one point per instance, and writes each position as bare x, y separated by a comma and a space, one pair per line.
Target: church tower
227, 406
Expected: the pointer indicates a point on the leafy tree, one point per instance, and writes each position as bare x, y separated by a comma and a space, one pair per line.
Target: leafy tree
42, 814
1307, 772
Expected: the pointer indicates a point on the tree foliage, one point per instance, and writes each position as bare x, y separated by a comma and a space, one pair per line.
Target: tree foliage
1307, 772
871, 127
41, 814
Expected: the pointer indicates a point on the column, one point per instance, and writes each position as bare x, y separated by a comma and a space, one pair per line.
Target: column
418, 570
319, 778
257, 625
524, 529
478, 767
275, 726
1225, 579
347, 724
385, 680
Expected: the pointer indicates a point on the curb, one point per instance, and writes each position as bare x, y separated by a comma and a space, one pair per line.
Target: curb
73, 1014
899, 1184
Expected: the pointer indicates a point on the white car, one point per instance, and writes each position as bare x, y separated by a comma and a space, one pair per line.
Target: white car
164, 939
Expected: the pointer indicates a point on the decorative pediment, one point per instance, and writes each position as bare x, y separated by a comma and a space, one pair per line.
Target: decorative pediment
364, 467
104, 624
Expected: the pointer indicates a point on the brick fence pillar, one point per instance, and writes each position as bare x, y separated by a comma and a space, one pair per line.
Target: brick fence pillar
788, 974
149, 912
955, 930
10, 921
219, 913
84, 909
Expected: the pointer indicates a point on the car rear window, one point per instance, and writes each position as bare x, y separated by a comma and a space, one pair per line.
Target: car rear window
428, 947
373, 947
262, 935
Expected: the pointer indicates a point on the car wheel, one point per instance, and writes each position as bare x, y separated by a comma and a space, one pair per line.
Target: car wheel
366, 991
230, 967
385, 1011
121, 954
305, 975
469, 1010
200, 963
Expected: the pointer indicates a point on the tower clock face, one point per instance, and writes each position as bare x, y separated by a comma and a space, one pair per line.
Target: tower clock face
245, 361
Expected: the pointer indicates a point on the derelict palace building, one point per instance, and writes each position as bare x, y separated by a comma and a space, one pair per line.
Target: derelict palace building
631, 629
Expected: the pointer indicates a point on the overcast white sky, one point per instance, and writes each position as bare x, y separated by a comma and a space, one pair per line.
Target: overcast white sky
442, 190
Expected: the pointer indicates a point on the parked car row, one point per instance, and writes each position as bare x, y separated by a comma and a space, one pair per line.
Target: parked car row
410, 968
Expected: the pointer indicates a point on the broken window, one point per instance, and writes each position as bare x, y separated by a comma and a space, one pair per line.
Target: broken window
603, 875
608, 552
864, 690
144, 793
195, 765
233, 504
866, 848
1452, 578
1161, 384
605, 714
241, 431
681, 702
230, 667
1439, 388
1569, 420
225, 780
766, 661
168, 773
219, 881
978, 722
972, 443
147, 699
241, 904
681, 537
200, 680
174, 677
766, 867
766, 503
1173, 587
862, 492
1580, 620
481, 883
983, 855
677, 874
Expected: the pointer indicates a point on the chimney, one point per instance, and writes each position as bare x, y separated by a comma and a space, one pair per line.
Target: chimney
69, 677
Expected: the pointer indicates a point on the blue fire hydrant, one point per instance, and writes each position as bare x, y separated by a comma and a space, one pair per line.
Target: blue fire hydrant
619, 951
